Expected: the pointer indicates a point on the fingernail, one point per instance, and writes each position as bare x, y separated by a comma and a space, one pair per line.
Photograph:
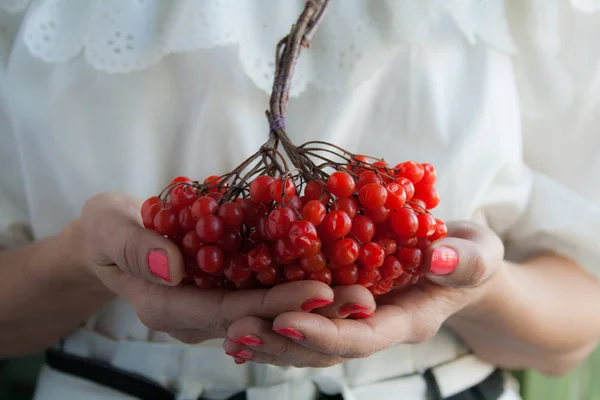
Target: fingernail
246, 354
240, 361
290, 333
360, 315
248, 340
443, 261
317, 302
158, 263
351, 308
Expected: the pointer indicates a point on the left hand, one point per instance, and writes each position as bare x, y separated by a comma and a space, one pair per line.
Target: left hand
459, 269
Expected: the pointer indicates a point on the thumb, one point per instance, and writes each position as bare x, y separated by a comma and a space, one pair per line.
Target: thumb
118, 237
468, 257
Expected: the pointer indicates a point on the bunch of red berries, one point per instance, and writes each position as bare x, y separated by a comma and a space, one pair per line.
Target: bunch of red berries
367, 224
264, 223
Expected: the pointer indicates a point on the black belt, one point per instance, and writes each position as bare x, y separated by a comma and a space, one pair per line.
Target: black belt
138, 386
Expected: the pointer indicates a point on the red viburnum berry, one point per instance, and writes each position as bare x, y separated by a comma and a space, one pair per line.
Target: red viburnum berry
324, 275
371, 255
149, 210
259, 189
314, 211
337, 224
341, 184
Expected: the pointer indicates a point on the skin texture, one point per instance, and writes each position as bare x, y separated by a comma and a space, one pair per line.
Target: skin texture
517, 316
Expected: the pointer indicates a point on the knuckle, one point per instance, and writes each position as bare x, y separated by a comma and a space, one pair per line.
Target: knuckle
130, 260
244, 326
282, 348
90, 205
476, 270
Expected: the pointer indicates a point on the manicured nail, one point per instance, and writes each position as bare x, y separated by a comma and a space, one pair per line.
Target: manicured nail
290, 333
317, 302
248, 340
351, 308
158, 263
443, 261
246, 354
360, 315
240, 361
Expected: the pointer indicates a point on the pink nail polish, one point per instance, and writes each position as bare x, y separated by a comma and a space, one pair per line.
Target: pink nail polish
361, 315
246, 354
248, 340
290, 333
158, 263
315, 303
351, 308
443, 261
240, 361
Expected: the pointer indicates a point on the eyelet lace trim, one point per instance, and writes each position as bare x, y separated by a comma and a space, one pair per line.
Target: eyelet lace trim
119, 36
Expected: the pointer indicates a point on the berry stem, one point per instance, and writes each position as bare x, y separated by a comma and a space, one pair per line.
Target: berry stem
286, 56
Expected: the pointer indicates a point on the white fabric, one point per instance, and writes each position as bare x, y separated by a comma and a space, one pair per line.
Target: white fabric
188, 372
121, 36
503, 97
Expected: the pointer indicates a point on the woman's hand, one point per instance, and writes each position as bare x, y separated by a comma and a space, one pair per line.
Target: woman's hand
143, 267
462, 268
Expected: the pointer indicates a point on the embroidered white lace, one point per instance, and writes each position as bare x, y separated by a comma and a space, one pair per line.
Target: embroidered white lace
125, 35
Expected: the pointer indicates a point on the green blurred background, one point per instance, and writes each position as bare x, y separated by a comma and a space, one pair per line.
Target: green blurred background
17, 379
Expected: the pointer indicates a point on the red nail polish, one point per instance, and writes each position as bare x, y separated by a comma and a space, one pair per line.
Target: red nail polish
239, 361
351, 308
158, 263
246, 354
361, 315
443, 261
290, 333
248, 340
317, 302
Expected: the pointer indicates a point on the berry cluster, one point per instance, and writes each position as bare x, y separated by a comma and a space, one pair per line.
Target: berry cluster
333, 216
364, 224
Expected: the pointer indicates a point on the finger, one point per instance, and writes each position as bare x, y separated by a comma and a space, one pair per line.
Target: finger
349, 300
347, 338
468, 257
113, 225
177, 310
269, 303
241, 355
255, 336
169, 309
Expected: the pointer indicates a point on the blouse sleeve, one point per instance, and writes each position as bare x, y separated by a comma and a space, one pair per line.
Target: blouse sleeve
14, 219
560, 213
14, 215
557, 204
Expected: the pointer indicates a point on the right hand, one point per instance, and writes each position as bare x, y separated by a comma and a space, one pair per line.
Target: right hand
116, 247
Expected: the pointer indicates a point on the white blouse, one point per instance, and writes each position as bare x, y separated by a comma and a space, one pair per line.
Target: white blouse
503, 97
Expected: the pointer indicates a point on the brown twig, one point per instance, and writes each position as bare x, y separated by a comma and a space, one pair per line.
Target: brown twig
288, 51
